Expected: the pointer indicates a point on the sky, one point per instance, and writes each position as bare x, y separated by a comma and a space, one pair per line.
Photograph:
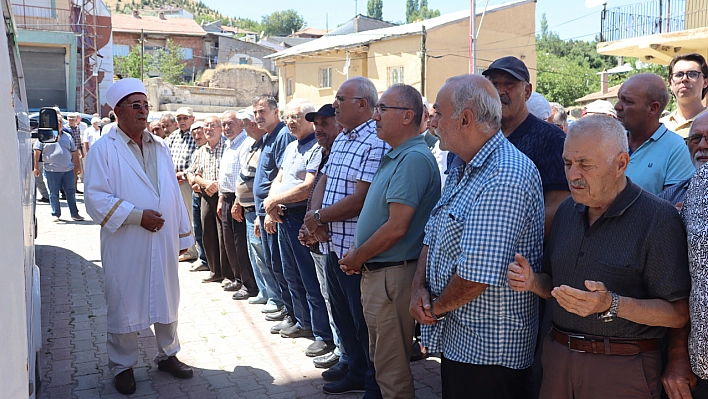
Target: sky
569, 18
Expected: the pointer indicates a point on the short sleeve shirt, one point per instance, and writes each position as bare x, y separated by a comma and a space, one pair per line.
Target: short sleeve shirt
301, 157
408, 175
490, 209
182, 146
269, 161
543, 143
637, 248
662, 160
230, 164
677, 124
57, 156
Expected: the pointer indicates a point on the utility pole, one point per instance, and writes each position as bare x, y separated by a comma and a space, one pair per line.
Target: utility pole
422, 61
473, 38
142, 54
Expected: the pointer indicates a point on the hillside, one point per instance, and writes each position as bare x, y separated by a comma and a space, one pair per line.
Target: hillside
200, 10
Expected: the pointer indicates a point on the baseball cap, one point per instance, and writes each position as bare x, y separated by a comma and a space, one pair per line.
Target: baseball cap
325, 110
601, 107
184, 111
195, 125
511, 65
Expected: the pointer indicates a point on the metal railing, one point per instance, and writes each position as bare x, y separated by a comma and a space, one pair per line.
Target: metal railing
652, 17
43, 18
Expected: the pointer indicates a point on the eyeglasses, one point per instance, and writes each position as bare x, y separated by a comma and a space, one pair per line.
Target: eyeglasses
183, 118
295, 117
692, 75
382, 108
139, 106
340, 99
694, 139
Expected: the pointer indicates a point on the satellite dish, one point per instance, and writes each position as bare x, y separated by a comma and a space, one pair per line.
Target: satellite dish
595, 3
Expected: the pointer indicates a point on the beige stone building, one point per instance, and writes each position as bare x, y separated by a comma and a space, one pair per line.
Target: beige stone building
315, 70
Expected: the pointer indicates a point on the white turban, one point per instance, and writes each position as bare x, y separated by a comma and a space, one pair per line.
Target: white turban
123, 88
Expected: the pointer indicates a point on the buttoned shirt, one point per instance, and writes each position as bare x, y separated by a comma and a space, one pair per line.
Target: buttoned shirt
490, 209
230, 164
76, 135
182, 146
206, 161
677, 124
269, 162
355, 155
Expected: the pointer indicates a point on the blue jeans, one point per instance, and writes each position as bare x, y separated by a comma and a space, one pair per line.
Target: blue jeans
56, 182
299, 271
348, 314
197, 221
275, 265
264, 279
320, 264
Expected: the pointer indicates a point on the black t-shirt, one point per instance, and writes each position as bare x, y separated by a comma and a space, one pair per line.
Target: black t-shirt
542, 142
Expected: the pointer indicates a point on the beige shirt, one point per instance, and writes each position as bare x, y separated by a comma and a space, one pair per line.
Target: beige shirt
677, 124
147, 158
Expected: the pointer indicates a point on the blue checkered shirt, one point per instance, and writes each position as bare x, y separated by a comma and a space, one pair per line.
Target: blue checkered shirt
355, 155
490, 209
182, 146
230, 164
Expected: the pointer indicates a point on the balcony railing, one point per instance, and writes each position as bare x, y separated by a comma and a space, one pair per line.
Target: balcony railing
653, 17
43, 18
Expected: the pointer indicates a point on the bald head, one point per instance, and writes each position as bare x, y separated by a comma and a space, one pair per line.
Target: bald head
653, 86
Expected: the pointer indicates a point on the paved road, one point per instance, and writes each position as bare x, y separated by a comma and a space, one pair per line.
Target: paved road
226, 341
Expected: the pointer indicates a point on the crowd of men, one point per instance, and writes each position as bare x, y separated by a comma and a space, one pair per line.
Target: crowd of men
350, 223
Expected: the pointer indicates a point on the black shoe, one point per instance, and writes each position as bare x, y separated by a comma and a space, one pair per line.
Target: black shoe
242, 294
318, 348
276, 316
296, 332
417, 351
336, 372
232, 286
79, 191
288, 321
44, 200
326, 361
345, 385
173, 366
125, 382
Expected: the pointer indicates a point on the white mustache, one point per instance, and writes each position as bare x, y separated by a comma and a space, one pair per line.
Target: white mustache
578, 183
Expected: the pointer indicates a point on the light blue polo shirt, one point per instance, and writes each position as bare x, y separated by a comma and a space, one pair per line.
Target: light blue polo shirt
409, 175
663, 160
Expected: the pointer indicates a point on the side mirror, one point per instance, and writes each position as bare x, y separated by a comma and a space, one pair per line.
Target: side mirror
48, 131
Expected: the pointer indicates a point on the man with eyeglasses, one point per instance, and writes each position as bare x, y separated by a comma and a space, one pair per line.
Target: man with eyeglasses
353, 161
688, 79
131, 191
182, 145
658, 157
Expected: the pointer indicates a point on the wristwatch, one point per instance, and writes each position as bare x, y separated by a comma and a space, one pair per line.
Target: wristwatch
436, 317
612, 311
316, 216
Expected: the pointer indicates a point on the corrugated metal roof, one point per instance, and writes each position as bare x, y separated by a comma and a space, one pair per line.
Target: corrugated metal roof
363, 38
173, 26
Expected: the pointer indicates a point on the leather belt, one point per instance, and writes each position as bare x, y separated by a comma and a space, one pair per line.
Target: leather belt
296, 209
251, 208
371, 266
604, 345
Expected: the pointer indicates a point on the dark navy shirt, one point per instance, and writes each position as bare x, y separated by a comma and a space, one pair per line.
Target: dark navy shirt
274, 144
542, 142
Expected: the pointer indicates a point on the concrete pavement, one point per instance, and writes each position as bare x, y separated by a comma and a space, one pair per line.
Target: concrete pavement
227, 342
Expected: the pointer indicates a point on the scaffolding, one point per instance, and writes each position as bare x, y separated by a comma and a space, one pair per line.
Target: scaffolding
87, 23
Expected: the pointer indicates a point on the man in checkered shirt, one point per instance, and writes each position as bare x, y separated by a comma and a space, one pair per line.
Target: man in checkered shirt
355, 156
491, 208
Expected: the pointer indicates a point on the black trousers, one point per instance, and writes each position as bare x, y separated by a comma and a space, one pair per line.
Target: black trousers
235, 245
211, 238
472, 381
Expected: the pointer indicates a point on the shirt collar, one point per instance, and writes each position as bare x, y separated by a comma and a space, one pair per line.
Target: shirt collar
230, 143
146, 137
624, 200
354, 133
487, 149
307, 139
394, 152
660, 131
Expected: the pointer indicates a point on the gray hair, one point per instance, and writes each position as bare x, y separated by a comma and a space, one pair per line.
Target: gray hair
270, 100
612, 133
229, 112
305, 106
366, 90
486, 106
168, 115
560, 116
411, 98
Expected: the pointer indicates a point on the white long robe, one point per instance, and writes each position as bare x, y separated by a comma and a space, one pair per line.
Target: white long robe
141, 282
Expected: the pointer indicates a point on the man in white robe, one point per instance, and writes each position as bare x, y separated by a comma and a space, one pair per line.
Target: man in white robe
132, 192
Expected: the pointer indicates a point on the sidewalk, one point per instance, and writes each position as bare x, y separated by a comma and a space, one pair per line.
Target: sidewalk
227, 342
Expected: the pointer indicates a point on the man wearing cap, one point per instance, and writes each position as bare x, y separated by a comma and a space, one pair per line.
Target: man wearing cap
91, 134
233, 232
131, 191
658, 157
600, 107
75, 126
182, 145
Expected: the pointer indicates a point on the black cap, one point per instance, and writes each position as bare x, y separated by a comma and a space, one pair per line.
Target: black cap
511, 65
325, 110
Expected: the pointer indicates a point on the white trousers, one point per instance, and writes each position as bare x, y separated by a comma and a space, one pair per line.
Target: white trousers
123, 348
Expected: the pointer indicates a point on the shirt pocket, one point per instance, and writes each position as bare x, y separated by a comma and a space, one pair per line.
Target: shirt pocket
451, 235
619, 277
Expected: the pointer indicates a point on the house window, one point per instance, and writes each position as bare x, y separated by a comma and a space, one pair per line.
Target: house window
187, 53
325, 78
289, 89
395, 75
243, 61
121, 50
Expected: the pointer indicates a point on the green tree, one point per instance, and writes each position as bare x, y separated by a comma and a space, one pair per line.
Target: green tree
411, 10
562, 80
374, 9
129, 67
418, 11
282, 23
169, 63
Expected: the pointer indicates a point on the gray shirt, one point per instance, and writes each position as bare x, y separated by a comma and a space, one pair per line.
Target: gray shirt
300, 157
57, 156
